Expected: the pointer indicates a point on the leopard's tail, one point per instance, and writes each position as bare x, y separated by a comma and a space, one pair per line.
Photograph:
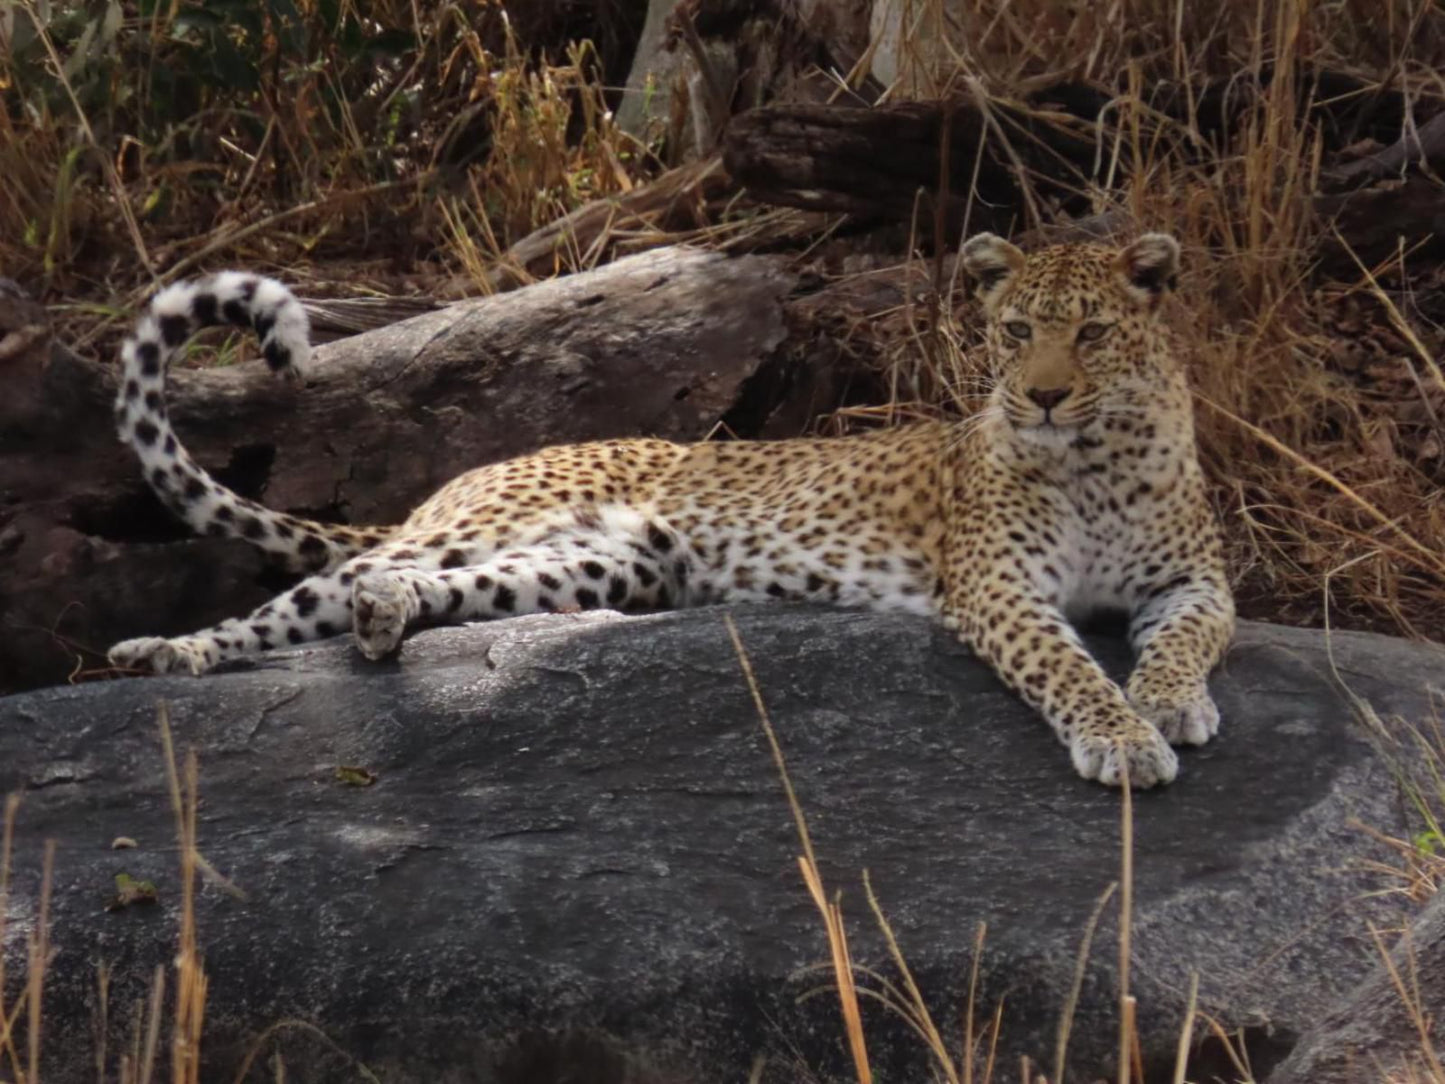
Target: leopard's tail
174, 315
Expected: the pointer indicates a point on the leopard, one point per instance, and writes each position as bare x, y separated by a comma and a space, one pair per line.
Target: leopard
1076, 487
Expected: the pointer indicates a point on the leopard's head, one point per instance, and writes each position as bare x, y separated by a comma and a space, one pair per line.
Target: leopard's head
1074, 333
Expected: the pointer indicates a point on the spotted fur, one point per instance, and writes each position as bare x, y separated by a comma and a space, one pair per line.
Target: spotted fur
1078, 487
175, 314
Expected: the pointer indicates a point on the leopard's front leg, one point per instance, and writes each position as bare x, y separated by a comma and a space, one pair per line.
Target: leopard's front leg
315, 608
1032, 647
1180, 629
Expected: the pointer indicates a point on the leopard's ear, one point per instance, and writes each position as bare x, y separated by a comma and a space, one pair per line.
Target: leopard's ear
991, 261
1150, 268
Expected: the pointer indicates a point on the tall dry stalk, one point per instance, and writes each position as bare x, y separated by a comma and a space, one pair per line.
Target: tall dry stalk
191, 979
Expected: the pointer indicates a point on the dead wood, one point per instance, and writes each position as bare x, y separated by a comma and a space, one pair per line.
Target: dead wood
667, 343
909, 159
1379, 223
675, 200
939, 164
342, 317
1423, 145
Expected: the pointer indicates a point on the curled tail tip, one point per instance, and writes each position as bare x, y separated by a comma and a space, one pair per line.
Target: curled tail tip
237, 298
284, 330
240, 299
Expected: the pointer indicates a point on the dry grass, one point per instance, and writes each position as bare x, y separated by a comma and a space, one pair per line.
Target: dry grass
1425, 1066
433, 150
323, 138
139, 1062
1416, 753
20, 1049
181, 1015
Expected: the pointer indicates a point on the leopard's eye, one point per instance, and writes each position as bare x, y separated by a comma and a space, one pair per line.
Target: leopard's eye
1093, 331
1017, 329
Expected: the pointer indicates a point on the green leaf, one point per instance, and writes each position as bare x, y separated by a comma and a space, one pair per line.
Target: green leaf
130, 891
354, 776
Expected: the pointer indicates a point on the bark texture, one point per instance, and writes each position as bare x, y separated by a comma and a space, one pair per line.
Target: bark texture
667, 344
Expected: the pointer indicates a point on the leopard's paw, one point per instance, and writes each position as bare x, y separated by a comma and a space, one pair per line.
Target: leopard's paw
157, 655
1140, 749
1185, 717
381, 606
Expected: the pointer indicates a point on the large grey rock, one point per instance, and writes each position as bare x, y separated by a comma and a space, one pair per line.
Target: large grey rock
1375, 1030
577, 825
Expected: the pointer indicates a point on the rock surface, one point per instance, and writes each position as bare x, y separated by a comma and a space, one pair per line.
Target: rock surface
576, 829
1374, 1032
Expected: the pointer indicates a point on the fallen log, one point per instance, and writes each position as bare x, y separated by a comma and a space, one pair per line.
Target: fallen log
937, 164
1379, 223
912, 158
667, 343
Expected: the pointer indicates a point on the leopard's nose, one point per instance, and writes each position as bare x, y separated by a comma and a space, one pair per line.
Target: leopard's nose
1048, 398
